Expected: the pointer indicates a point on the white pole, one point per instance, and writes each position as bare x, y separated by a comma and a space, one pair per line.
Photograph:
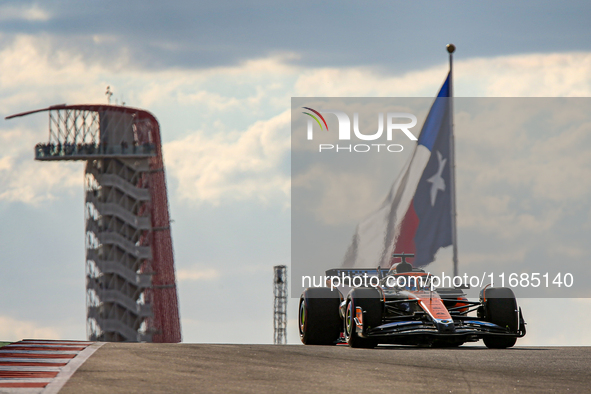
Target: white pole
454, 234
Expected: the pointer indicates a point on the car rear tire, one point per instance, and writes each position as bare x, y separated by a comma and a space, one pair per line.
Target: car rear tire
370, 302
500, 308
319, 321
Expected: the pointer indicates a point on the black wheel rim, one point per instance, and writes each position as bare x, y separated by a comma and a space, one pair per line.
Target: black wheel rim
349, 320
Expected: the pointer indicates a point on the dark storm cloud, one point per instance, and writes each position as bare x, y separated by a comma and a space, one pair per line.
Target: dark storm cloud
395, 35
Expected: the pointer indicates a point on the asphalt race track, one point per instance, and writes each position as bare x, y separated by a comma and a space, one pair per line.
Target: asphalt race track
192, 368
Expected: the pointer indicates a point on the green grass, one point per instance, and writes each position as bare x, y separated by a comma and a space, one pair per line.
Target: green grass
4, 343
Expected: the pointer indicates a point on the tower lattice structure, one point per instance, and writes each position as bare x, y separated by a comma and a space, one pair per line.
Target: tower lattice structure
280, 305
131, 290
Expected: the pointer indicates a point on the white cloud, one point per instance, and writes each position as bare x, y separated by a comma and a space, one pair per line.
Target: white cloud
357, 82
215, 101
233, 166
197, 274
534, 75
33, 182
25, 180
14, 330
30, 13
201, 273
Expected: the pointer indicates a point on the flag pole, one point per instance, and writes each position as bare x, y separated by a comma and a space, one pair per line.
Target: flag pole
450, 49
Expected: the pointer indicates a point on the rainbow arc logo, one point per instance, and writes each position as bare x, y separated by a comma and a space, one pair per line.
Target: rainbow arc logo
315, 118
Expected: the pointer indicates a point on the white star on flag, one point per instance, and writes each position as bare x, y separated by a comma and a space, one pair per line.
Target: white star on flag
437, 181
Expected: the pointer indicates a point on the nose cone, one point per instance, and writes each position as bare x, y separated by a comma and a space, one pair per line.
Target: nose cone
445, 326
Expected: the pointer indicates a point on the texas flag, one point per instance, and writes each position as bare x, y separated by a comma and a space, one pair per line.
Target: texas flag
416, 216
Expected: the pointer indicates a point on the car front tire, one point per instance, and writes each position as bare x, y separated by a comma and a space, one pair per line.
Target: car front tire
500, 308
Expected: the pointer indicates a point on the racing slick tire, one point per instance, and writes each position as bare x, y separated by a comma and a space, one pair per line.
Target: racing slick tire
319, 320
500, 308
370, 302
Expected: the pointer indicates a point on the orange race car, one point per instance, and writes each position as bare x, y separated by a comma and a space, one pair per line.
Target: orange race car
404, 308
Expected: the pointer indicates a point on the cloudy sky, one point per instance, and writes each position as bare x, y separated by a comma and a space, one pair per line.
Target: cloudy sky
219, 78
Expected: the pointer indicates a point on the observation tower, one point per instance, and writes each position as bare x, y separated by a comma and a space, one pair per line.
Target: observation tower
131, 290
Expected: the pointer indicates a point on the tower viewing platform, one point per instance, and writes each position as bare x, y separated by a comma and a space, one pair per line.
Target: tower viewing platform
90, 132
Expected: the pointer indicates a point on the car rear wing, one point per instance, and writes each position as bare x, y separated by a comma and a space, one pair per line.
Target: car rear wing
353, 272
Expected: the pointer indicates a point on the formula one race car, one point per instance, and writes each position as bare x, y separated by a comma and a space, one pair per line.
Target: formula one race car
404, 308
